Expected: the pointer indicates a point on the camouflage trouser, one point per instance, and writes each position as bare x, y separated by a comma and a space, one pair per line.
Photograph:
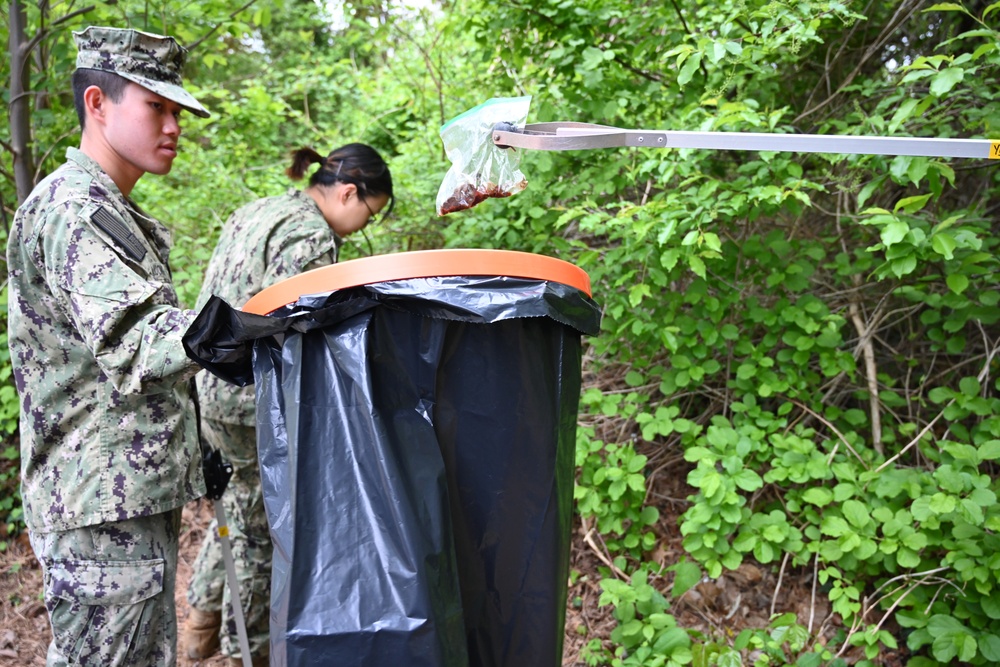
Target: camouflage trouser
109, 591
250, 540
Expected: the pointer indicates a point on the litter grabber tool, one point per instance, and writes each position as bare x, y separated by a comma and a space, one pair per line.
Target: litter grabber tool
484, 145
566, 136
217, 472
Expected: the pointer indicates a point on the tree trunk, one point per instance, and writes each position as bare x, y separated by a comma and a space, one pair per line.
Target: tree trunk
20, 106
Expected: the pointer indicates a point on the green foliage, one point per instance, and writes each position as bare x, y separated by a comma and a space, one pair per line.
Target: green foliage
810, 341
783, 642
647, 636
612, 490
817, 334
9, 405
10, 495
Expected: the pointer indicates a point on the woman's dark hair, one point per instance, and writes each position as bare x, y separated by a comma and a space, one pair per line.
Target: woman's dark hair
112, 85
359, 164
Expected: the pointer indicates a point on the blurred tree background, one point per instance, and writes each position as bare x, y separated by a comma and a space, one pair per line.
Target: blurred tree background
799, 365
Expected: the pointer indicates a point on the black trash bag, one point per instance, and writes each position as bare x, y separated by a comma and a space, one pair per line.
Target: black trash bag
416, 442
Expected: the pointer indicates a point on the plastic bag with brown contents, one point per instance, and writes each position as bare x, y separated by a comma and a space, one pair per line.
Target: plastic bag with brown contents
480, 170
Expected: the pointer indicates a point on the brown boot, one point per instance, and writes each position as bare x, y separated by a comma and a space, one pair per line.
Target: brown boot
257, 661
201, 634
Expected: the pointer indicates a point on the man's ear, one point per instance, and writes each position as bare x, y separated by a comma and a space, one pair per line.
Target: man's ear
95, 103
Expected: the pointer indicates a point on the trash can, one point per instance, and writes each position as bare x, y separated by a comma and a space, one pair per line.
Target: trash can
416, 419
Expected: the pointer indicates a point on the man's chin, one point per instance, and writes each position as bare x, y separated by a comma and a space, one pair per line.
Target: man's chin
160, 170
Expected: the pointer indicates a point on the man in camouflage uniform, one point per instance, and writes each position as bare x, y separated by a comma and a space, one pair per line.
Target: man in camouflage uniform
261, 244
109, 450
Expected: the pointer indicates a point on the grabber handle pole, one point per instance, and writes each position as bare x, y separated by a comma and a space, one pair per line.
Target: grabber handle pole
234, 584
218, 472
580, 136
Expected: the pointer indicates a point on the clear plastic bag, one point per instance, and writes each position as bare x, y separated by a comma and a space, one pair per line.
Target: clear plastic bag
479, 170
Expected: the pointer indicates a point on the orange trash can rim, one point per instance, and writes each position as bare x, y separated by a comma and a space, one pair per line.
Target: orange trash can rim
417, 264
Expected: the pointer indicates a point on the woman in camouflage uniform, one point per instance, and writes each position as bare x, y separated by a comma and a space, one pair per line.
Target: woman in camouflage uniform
261, 244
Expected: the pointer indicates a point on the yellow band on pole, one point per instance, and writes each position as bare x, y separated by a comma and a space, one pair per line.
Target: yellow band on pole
995, 150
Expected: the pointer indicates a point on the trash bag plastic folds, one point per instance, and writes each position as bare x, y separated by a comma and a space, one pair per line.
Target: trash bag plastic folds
416, 442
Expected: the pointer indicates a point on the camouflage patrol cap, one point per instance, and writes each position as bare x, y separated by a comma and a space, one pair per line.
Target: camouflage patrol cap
152, 61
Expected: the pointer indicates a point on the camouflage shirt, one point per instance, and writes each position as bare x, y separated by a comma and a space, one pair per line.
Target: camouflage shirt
95, 342
261, 244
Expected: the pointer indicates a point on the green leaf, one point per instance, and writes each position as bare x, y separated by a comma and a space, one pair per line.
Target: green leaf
941, 503
636, 294
688, 69
748, 480
990, 450
649, 515
918, 169
903, 266
710, 483
970, 386
911, 204
686, 575
670, 640
818, 496
592, 58
989, 646
718, 52
856, 512
957, 283
899, 166
945, 80
944, 244
868, 189
907, 558
894, 232
834, 526
946, 7
697, 265
991, 606
902, 114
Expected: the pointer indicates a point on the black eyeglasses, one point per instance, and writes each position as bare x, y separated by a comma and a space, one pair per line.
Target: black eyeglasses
371, 218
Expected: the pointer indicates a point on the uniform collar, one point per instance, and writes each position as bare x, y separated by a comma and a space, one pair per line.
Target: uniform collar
90, 165
295, 193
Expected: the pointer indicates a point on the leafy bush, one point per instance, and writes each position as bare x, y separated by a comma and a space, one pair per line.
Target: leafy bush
817, 334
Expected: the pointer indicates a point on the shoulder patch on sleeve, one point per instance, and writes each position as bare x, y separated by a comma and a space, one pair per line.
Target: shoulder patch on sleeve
114, 228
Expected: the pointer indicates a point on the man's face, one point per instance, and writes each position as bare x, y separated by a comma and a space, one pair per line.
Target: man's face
143, 129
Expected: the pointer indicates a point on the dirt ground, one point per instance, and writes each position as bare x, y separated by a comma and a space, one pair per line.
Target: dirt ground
721, 608
25, 632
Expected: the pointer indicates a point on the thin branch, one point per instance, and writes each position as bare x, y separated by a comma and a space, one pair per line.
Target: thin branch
777, 587
215, 28
42, 34
833, 428
680, 15
641, 72
829, 63
872, 49
588, 538
913, 442
429, 63
48, 152
812, 597
871, 370
926, 577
